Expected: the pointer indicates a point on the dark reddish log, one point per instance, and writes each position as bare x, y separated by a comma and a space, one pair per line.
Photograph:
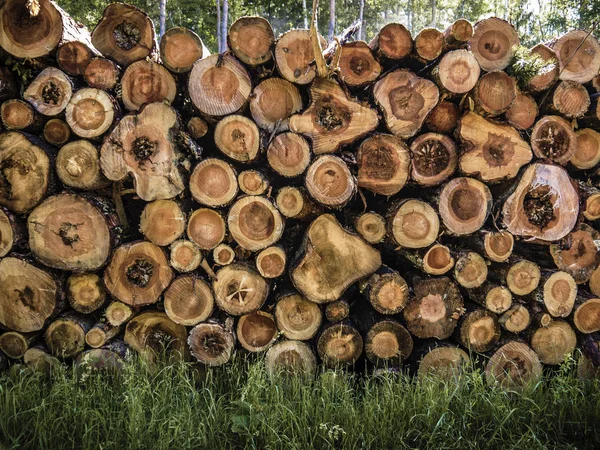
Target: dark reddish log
91, 112
470, 270
330, 182
271, 262
429, 44
587, 153
272, 103
371, 226
339, 345
238, 138
102, 73
387, 291
554, 342
493, 43
516, 319
443, 117
357, 64
495, 92
146, 82
290, 357
256, 331
255, 223
393, 42
78, 166
20, 115
294, 54
337, 311
547, 78
223, 254
85, 292
289, 154
577, 253
458, 33
213, 183
74, 56
185, 256
294, 203
188, 300
464, 205
57, 132
479, 330
513, 366
65, 336
578, 55
383, 164
162, 222
153, 335
118, 313
297, 318
553, 138
206, 228
434, 159
587, 315
522, 112
413, 224
239, 289
253, 182
49, 92
180, 48
457, 72
251, 39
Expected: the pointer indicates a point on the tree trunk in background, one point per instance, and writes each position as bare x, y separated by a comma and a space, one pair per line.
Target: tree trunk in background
409, 15
305, 14
331, 20
162, 18
219, 37
224, 19
361, 18
433, 13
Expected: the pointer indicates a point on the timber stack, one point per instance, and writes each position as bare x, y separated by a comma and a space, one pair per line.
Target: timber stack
412, 200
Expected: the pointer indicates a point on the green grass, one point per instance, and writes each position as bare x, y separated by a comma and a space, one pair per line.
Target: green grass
240, 407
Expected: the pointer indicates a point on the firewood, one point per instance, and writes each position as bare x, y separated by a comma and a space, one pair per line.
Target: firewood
238, 138
293, 203
146, 82
522, 112
588, 364
180, 48
118, 313
153, 334
357, 64
223, 255
213, 183
470, 270
102, 73
65, 336
578, 55
206, 228
586, 317
251, 39
386, 291
255, 223
294, 55
442, 361
577, 253
85, 292
239, 289
513, 366
293, 357
516, 319
188, 300
296, 317
101, 334
337, 311
434, 159
253, 182
493, 43
78, 166
457, 72
443, 117
587, 153
329, 181
494, 93
212, 343
57, 132
74, 56
272, 103
197, 127
553, 137
554, 342
371, 226
429, 44
479, 330
9, 88
495, 298
496, 245
91, 112
571, 99
109, 358
289, 154
49, 92
14, 344
464, 205
393, 41
271, 262
185, 256
339, 345
458, 33
256, 331
388, 343
590, 201
546, 79
39, 360
413, 223
162, 222
434, 260
19, 115
13, 235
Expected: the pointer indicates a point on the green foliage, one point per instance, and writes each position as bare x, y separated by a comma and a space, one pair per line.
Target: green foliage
525, 65
238, 406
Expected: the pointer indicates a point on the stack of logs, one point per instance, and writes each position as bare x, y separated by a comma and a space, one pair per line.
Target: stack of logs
415, 200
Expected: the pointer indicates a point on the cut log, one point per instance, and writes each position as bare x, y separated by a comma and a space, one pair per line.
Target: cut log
494, 298
513, 366
333, 119
118, 313
457, 72
330, 259
213, 183
238, 137
78, 166
74, 56
387, 291
185, 256
371, 226
20, 115
553, 137
495, 93
434, 158
271, 262
15, 345
497, 245
293, 203
329, 181
297, 318
339, 345
153, 335
393, 41
125, 34
289, 154
188, 300
464, 205
256, 331
546, 79
49, 92
162, 222
516, 319
590, 197
337, 311
479, 331
13, 235
523, 277
143, 141
239, 289
90, 112
458, 33
294, 54
180, 48
110, 358
577, 253
558, 294
437, 260
102, 73
206, 228
545, 204
272, 103
388, 344
492, 152
429, 44
470, 270
522, 112
65, 336
9, 88
85, 292
39, 360
57, 132
290, 357
255, 223
435, 308
443, 362
578, 55
146, 82
73, 232
357, 64
493, 43
588, 364
554, 342
383, 164
197, 127
414, 224
253, 182
219, 85
223, 255
443, 118
571, 99
251, 39
587, 152
587, 316
406, 100
138, 273
101, 334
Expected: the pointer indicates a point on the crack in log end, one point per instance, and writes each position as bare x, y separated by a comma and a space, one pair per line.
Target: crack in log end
331, 116
213, 344
240, 137
5, 184
236, 290
538, 207
515, 369
552, 142
431, 158
498, 151
143, 148
406, 102
26, 297
51, 93
380, 164
140, 272
359, 65
127, 35
67, 233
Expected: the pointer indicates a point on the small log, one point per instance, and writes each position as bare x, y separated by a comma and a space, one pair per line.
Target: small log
19, 115
239, 289
330, 182
357, 64
590, 200
497, 245
256, 331
271, 262
546, 79
255, 223
587, 153
494, 298
388, 344
464, 205
588, 365
212, 343
514, 365
457, 72
571, 99
494, 93
107, 359
290, 357
162, 222
586, 317
293, 203
337, 311
429, 44
523, 277
387, 291
14, 344
273, 102
339, 345
101, 334
223, 255
516, 319
554, 342
493, 43
434, 159
118, 313
238, 137
39, 360
253, 182
371, 226
65, 336
152, 334
85, 292
558, 294
138, 273
90, 112
545, 204
435, 260
492, 152
413, 224
443, 118
383, 164
219, 85
188, 300
577, 253
522, 112
102, 73
479, 330
56, 132
213, 182
470, 270
435, 308
294, 54
185, 256
206, 228
442, 362
406, 100
74, 56
143, 141
458, 33
392, 42
78, 166
333, 119
251, 39
125, 34
197, 127
180, 48
330, 259
578, 55
297, 318
146, 82
553, 137
289, 154
13, 235
49, 92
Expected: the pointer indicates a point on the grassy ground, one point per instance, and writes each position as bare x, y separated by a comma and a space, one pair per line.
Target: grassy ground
239, 407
